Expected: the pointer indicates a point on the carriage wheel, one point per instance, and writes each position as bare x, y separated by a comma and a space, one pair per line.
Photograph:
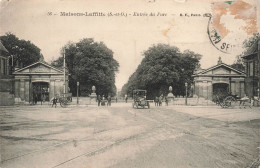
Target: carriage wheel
63, 103
229, 101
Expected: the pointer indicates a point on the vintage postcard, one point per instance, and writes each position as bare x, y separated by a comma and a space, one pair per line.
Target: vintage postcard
129, 83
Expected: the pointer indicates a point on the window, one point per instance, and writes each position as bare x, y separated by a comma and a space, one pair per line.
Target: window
256, 69
251, 68
2, 66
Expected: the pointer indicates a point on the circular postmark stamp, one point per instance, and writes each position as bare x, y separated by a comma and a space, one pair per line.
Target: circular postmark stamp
230, 24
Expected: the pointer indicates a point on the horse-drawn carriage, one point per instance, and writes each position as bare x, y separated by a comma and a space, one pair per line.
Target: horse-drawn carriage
233, 100
64, 99
139, 97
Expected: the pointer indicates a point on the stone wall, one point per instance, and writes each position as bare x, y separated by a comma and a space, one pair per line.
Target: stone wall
6, 92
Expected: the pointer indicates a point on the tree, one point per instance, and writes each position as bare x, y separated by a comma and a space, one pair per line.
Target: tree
163, 66
90, 63
238, 64
22, 51
250, 46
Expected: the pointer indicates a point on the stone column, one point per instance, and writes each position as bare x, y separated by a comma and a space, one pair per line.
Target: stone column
205, 89
210, 90
242, 88
22, 95
238, 90
233, 87
200, 89
51, 89
26, 90
17, 88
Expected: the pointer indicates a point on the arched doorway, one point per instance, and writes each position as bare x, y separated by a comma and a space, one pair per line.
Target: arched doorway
40, 92
220, 90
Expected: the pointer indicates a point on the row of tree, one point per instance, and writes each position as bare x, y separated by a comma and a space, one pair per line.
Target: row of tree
92, 63
163, 66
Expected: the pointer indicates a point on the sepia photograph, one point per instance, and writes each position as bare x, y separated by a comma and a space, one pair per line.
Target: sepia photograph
129, 84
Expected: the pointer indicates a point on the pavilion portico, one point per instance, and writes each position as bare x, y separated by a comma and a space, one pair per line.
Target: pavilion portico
219, 79
38, 82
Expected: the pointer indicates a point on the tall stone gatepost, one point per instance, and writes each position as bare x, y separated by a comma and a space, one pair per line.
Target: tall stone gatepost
93, 96
170, 96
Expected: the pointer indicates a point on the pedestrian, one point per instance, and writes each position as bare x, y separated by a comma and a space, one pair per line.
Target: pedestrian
36, 99
103, 101
166, 100
43, 98
109, 101
252, 102
54, 101
156, 100
126, 98
160, 101
243, 100
116, 99
99, 100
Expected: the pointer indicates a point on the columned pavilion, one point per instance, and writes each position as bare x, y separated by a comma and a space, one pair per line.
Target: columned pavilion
219, 79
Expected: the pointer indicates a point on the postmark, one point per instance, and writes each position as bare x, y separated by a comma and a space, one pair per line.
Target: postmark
230, 24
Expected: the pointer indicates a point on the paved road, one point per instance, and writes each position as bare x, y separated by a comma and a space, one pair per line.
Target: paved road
123, 137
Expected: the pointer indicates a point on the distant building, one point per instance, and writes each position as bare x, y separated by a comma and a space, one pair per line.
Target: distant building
6, 80
251, 60
219, 79
4, 65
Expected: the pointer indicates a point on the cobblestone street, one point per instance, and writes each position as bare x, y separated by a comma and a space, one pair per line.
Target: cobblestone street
121, 136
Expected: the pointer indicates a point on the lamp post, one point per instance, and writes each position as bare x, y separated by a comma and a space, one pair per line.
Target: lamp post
186, 91
77, 92
192, 89
64, 73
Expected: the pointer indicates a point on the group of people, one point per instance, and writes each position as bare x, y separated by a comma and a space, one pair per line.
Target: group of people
247, 100
158, 100
102, 101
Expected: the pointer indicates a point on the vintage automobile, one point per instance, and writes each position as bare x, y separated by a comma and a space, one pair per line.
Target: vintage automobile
139, 97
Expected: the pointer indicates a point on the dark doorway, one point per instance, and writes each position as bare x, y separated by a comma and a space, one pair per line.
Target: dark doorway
40, 92
220, 90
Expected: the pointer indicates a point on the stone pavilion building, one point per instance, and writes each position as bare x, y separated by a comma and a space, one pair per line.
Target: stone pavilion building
219, 79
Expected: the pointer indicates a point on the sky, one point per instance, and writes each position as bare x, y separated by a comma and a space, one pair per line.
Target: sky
127, 36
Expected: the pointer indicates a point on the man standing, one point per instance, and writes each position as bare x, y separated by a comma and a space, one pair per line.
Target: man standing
54, 101
99, 100
156, 101
126, 98
103, 101
166, 100
160, 101
109, 101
